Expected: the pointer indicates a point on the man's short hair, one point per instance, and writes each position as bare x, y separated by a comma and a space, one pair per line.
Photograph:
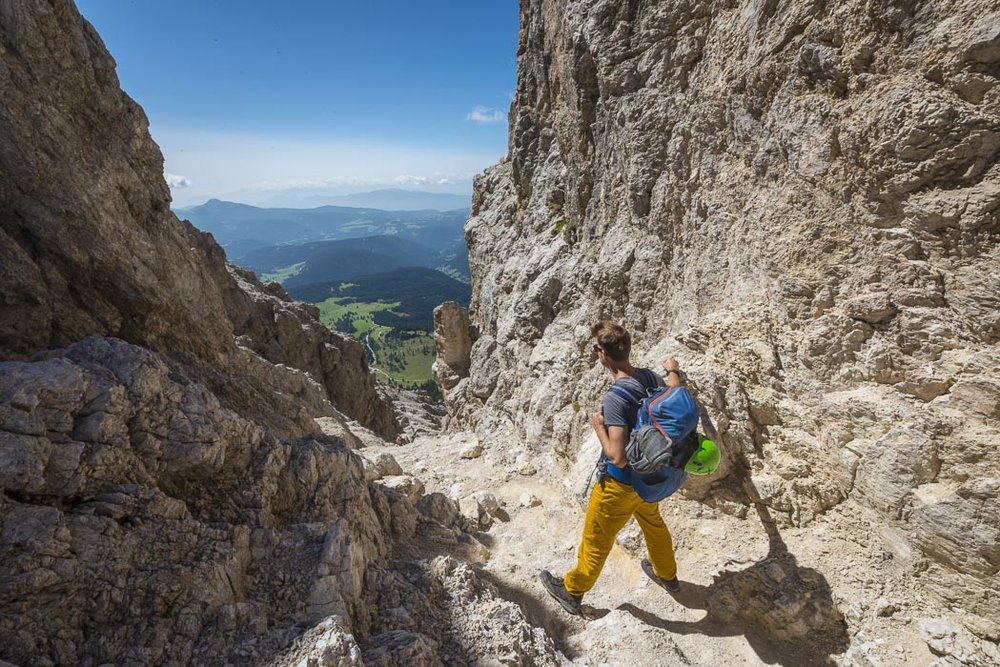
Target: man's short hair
613, 339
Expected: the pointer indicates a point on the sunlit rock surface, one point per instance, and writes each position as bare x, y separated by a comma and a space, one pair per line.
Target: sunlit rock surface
800, 201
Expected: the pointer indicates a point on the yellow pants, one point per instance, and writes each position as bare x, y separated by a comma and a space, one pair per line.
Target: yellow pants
611, 505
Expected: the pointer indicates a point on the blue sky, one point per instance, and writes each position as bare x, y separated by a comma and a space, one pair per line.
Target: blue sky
263, 101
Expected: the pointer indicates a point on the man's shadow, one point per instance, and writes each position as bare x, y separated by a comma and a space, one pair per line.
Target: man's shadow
786, 611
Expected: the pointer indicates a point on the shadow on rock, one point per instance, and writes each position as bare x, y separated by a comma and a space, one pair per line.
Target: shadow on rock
786, 611
557, 626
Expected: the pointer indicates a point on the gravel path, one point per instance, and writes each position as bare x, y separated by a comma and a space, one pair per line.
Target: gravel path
746, 590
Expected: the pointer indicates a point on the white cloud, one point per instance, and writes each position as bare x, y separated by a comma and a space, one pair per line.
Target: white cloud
486, 115
311, 183
176, 181
409, 179
435, 179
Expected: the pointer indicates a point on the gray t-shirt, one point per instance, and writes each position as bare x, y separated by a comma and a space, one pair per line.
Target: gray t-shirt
621, 411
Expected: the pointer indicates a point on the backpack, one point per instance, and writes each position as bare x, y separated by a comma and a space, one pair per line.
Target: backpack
664, 434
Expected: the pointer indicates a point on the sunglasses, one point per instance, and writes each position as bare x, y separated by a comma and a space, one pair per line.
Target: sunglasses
598, 349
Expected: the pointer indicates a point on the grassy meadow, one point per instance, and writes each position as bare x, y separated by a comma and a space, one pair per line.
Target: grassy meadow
404, 357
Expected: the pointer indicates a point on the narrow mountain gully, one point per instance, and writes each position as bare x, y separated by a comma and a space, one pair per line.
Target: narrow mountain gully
814, 237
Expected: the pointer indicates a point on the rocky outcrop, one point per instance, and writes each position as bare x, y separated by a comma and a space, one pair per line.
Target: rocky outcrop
143, 522
447, 614
799, 201
129, 494
416, 411
453, 339
88, 244
267, 321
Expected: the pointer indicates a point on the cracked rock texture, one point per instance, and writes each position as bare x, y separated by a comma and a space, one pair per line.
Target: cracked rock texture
800, 201
453, 342
143, 522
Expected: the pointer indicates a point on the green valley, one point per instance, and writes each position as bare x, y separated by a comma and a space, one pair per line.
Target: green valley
351, 317
391, 314
280, 275
374, 275
403, 358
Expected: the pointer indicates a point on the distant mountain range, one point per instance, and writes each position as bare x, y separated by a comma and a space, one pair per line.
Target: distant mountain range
240, 228
350, 259
393, 200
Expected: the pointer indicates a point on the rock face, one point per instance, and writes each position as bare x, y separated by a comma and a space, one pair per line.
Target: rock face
167, 492
267, 321
88, 244
453, 339
130, 495
800, 201
143, 522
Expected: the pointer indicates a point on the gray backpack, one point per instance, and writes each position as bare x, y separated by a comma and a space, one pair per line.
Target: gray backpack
664, 433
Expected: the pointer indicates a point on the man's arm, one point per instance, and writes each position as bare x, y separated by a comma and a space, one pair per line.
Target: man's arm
613, 440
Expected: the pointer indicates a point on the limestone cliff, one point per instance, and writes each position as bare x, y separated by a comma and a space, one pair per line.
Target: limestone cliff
800, 201
177, 484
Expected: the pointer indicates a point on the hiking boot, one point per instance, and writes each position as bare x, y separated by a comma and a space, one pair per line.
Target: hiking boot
669, 585
555, 587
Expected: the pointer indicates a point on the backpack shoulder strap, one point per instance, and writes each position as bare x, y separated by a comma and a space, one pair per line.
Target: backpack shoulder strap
626, 393
646, 378
650, 379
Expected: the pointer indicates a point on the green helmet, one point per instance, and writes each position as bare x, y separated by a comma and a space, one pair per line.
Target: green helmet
705, 459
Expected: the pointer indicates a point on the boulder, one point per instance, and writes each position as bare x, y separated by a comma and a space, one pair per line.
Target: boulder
944, 638
472, 451
408, 485
475, 513
379, 465
529, 500
440, 508
453, 338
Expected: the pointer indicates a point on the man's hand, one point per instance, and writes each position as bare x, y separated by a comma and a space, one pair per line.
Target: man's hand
675, 377
597, 421
613, 439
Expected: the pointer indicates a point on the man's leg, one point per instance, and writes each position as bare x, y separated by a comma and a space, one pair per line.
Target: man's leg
611, 505
658, 541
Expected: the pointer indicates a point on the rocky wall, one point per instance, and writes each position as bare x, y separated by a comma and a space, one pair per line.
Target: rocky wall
800, 201
142, 522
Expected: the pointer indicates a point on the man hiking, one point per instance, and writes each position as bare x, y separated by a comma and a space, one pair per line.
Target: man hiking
614, 499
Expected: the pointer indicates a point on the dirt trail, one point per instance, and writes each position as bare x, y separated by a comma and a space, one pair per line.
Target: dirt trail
630, 621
